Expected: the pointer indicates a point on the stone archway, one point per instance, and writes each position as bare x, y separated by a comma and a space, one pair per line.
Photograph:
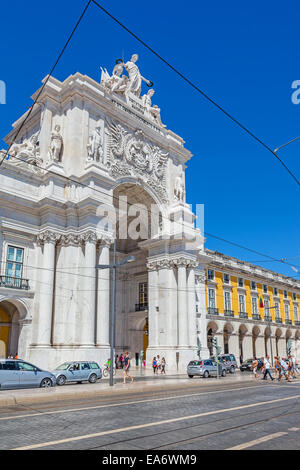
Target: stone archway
212, 329
12, 312
255, 335
242, 333
227, 332
278, 334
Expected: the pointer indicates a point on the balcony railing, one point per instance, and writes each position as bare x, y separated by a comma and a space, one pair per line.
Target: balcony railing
255, 316
278, 320
141, 307
288, 322
228, 313
212, 311
14, 282
243, 315
297, 323
268, 318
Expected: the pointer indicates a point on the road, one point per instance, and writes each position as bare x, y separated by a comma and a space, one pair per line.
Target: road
251, 415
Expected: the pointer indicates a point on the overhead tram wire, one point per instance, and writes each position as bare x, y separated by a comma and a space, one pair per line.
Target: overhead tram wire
47, 79
187, 80
67, 178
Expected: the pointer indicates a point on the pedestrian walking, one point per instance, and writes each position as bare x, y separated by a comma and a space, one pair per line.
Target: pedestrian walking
121, 360
267, 366
126, 368
154, 365
117, 361
254, 367
163, 366
284, 369
277, 368
158, 363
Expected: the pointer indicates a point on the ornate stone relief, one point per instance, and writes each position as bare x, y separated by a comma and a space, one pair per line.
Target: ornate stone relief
179, 191
95, 146
27, 155
131, 154
169, 263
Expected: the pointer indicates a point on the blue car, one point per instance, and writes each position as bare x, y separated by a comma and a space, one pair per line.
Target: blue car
16, 373
77, 371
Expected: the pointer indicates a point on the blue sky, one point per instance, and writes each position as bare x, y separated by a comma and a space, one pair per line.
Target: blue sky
245, 56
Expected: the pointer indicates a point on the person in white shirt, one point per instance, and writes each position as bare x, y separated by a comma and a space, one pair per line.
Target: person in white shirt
267, 366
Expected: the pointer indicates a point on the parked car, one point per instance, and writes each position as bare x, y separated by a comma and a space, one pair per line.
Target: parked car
247, 364
16, 373
229, 362
77, 372
205, 368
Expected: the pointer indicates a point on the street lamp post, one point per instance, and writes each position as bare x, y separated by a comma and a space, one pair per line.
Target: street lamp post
269, 323
114, 267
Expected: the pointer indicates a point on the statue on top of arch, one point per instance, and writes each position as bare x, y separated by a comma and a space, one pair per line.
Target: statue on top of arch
130, 87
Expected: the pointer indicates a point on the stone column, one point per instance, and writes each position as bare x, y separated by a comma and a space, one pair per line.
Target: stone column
200, 290
182, 302
49, 239
153, 305
234, 346
191, 313
2, 262
260, 346
89, 296
166, 329
103, 296
247, 346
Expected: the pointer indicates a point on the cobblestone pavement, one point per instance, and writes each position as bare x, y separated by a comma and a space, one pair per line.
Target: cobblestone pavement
213, 415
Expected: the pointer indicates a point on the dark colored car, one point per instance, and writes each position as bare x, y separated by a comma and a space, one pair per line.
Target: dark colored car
247, 365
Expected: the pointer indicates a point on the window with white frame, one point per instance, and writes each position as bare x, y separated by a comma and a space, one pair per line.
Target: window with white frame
294, 296
241, 282
285, 294
241, 303
254, 306
143, 293
275, 291
287, 311
266, 307
296, 312
14, 264
227, 300
211, 298
210, 274
253, 285
265, 287
226, 278
277, 311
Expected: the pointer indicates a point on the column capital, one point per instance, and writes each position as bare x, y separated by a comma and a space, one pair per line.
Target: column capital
48, 236
89, 237
105, 239
200, 277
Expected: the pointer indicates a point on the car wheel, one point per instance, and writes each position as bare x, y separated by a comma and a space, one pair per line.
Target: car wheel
45, 383
223, 373
205, 374
190, 376
93, 378
61, 380
232, 369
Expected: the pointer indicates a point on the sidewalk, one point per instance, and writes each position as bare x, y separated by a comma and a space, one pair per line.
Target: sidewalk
142, 383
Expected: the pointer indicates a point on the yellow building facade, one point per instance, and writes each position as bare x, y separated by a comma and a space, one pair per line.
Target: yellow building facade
251, 310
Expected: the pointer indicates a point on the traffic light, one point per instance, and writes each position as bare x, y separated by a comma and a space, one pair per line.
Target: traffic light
215, 344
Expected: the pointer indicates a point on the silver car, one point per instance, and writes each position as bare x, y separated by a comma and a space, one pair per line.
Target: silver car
205, 368
16, 373
77, 372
